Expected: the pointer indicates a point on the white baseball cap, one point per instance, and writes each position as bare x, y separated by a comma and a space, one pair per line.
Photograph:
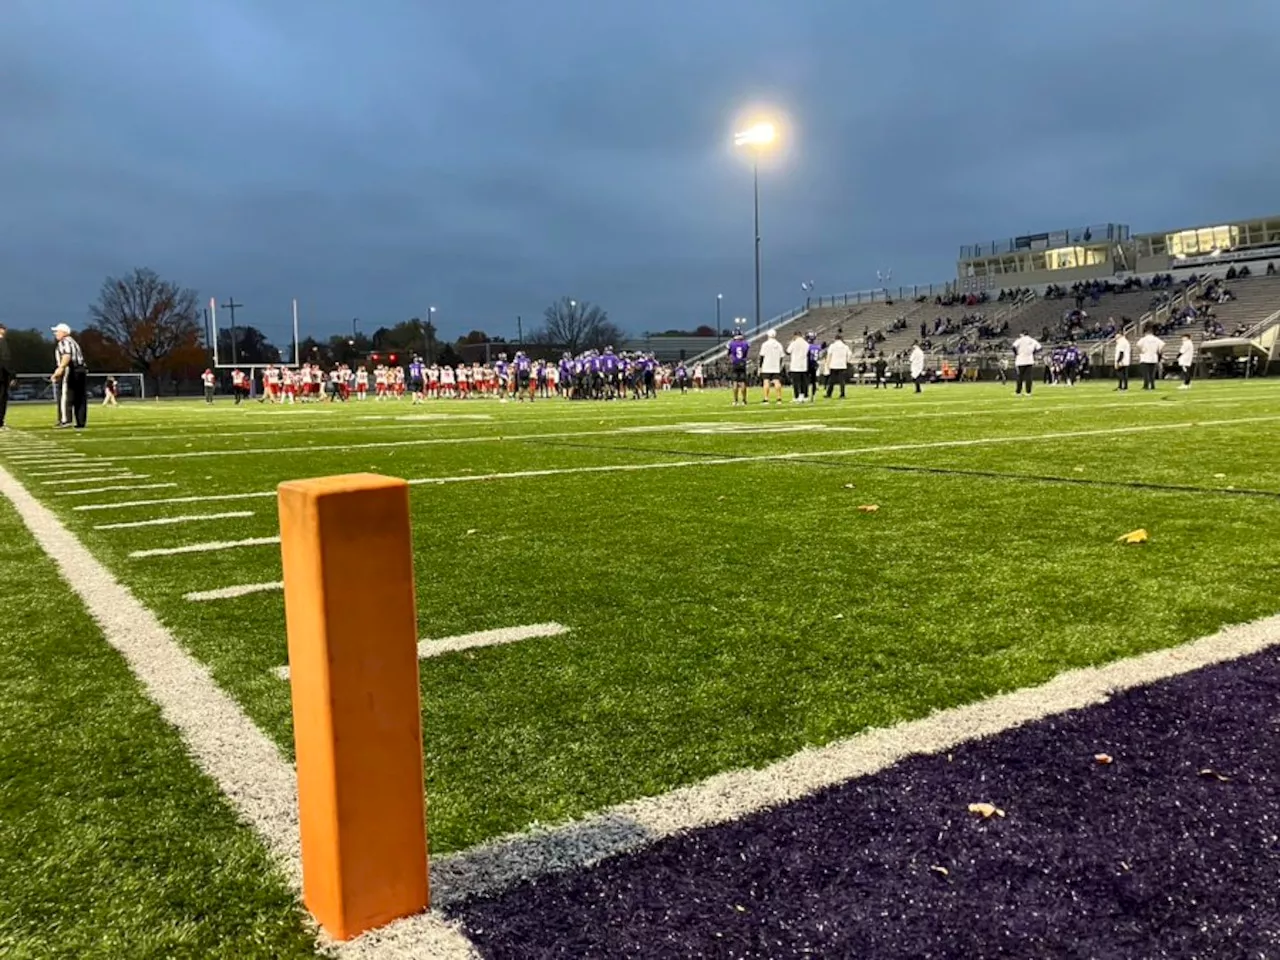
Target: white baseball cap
773, 333
61, 328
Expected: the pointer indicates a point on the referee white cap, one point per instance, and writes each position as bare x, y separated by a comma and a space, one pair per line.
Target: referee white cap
61, 328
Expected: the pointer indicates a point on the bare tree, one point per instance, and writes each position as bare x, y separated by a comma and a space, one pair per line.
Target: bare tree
577, 326
150, 321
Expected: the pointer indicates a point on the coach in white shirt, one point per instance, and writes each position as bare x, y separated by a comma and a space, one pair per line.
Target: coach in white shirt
838, 357
1024, 359
771, 354
1186, 357
917, 364
1123, 354
1149, 348
798, 351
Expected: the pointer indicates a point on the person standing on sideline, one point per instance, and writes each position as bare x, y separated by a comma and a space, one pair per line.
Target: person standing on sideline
1002, 371
771, 354
109, 391
1149, 348
6, 374
207, 379
738, 350
1186, 357
798, 351
1024, 360
838, 355
1123, 355
880, 366
917, 364
70, 375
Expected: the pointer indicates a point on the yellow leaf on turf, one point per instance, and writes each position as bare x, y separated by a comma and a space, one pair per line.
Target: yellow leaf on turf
869, 507
986, 810
1136, 536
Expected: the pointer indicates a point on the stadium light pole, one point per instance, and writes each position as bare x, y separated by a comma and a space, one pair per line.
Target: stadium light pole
756, 137
719, 297
426, 334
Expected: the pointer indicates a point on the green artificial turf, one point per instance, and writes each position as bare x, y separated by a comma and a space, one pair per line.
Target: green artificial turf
721, 614
112, 843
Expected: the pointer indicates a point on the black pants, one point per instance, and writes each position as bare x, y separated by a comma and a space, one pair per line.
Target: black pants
5, 376
1122, 375
1186, 376
840, 377
1148, 376
800, 383
208, 394
1024, 378
919, 380
73, 405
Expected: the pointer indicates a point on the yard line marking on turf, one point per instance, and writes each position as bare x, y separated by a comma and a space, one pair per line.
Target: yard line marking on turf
227, 593
259, 783
721, 461
498, 865
165, 521
209, 547
76, 468
469, 641
98, 479
140, 486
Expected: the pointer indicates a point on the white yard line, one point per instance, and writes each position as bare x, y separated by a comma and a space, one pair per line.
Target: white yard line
209, 547
247, 766
227, 593
97, 479
75, 468
722, 461
464, 641
496, 866
92, 490
833, 411
166, 521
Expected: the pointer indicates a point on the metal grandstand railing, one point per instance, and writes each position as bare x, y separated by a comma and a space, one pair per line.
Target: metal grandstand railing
753, 334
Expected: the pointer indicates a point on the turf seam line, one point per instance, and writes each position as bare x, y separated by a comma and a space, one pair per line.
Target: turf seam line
1078, 481
242, 760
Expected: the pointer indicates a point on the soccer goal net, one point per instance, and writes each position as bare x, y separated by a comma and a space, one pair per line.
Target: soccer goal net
36, 386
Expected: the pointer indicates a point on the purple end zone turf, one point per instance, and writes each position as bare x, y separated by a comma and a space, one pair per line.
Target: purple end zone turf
1146, 857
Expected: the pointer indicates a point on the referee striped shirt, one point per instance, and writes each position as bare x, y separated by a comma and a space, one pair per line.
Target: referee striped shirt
67, 347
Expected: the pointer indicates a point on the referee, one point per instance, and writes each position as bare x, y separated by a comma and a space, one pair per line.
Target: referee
6, 374
73, 404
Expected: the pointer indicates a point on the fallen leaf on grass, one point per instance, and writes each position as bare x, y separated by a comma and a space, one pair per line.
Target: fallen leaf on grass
1219, 476
471, 531
848, 486
869, 507
941, 870
719, 498
1135, 536
1102, 758
1078, 469
986, 810
1220, 777
838, 616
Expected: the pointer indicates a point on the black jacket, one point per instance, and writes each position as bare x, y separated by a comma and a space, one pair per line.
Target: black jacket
5, 356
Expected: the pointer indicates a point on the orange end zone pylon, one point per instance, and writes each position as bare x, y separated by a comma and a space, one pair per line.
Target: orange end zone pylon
357, 726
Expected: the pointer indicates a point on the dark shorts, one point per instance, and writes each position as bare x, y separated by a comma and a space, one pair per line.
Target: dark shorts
522, 380
770, 377
739, 374
415, 385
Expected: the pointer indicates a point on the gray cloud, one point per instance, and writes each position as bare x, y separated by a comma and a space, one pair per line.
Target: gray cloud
487, 158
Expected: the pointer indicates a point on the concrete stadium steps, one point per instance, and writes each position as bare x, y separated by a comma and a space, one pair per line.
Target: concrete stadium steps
1256, 299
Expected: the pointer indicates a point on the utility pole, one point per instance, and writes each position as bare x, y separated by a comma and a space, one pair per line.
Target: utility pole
519, 333
232, 305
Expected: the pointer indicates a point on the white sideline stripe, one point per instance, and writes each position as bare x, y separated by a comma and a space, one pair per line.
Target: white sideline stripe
209, 547
77, 468
138, 486
66, 458
165, 521
720, 461
496, 866
466, 641
100, 479
226, 593
257, 781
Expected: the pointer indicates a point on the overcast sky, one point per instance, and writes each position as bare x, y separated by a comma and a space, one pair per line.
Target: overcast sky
371, 158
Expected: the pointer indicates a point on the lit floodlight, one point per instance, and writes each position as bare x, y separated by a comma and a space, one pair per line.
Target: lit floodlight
757, 135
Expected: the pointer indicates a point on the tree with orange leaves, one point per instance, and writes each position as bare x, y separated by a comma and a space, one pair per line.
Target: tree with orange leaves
147, 323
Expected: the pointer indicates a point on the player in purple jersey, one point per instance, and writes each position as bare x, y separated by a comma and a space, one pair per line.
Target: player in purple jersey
738, 351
